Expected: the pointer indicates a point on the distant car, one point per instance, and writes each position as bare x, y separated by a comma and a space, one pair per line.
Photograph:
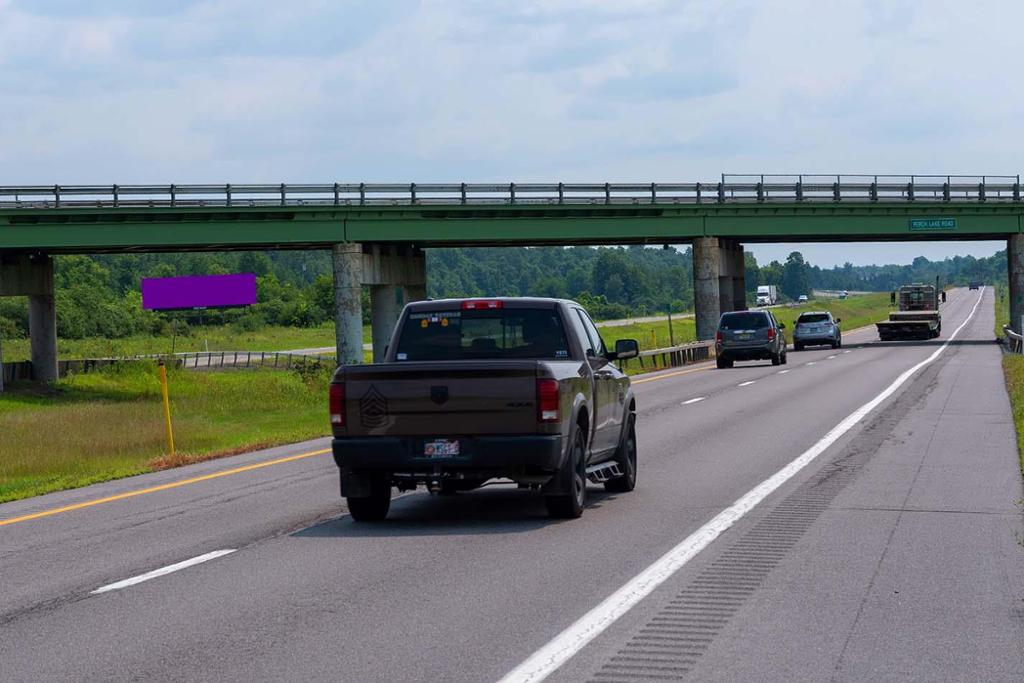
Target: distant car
802, 299
749, 335
975, 284
843, 294
817, 328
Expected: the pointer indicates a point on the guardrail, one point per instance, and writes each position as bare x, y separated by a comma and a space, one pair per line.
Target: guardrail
1014, 341
730, 188
672, 356
22, 370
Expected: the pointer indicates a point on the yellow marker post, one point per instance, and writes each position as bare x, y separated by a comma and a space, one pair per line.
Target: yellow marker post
654, 340
162, 372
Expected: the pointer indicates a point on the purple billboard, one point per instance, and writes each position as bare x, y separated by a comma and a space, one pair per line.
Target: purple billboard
198, 291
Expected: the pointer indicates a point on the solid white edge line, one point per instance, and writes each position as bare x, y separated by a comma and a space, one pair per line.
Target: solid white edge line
550, 657
163, 571
693, 400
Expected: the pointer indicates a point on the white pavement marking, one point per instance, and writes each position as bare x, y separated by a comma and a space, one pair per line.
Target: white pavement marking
694, 400
830, 357
782, 372
847, 351
163, 571
811, 362
746, 384
549, 658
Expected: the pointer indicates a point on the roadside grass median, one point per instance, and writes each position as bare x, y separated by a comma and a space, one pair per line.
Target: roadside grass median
109, 424
854, 311
1013, 368
208, 338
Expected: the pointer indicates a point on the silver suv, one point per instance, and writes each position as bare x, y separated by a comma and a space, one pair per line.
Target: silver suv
749, 335
817, 328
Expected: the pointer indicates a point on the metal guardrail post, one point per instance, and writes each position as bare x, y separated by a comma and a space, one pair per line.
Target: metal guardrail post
700, 188
561, 193
945, 191
337, 198
227, 193
115, 193
174, 195
283, 195
759, 187
607, 193
56, 196
981, 191
362, 193
654, 193
512, 193
721, 193
800, 190
1016, 190
462, 192
873, 190
412, 192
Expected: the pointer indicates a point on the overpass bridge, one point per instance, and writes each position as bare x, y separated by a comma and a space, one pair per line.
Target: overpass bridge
377, 231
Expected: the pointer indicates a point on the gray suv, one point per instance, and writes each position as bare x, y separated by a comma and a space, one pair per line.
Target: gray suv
749, 335
817, 328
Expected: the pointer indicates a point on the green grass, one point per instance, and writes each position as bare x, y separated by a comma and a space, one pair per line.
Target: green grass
109, 424
1013, 368
1002, 308
219, 338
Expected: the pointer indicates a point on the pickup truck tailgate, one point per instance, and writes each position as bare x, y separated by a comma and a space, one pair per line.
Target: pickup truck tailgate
441, 398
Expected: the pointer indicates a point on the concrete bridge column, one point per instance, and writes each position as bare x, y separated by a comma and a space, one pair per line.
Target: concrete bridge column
1015, 273
347, 264
32, 276
397, 275
739, 281
706, 289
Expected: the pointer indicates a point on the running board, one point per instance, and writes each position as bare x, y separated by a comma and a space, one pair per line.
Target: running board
603, 472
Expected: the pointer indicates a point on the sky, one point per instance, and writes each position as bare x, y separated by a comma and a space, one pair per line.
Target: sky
240, 91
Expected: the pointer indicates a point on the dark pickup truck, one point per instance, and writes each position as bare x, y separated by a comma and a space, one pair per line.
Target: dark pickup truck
476, 389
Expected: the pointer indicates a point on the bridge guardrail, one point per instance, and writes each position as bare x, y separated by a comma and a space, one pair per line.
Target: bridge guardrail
672, 356
1013, 340
729, 189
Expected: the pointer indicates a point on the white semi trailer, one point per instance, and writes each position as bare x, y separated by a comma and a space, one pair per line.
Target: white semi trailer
767, 295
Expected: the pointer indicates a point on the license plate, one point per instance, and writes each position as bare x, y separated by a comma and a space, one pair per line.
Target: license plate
743, 337
442, 448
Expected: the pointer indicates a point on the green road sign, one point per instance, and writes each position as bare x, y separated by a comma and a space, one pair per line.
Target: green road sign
933, 224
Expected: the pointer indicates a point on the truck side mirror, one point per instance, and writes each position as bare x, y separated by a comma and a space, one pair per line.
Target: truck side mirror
625, 348
892, 298
943, 296
838, 320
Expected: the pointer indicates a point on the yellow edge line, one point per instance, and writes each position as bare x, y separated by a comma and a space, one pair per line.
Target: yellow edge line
162, 487
669, 374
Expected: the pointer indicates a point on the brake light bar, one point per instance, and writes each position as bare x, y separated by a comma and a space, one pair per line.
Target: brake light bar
547, 400
482, 304
337, 404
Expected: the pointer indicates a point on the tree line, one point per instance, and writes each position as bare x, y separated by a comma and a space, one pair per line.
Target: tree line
99, 296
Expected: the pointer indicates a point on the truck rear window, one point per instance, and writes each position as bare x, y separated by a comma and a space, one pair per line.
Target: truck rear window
508, 333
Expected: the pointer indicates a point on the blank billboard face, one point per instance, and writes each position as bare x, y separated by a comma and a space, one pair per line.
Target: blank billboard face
198, 291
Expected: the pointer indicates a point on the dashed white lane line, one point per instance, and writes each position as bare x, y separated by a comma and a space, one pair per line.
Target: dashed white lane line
813, 362
558, 651
846, 351
746, 384
163, 571
782, 372
829, 357
693, 400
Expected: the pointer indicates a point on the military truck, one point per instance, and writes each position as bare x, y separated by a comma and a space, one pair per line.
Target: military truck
916, 316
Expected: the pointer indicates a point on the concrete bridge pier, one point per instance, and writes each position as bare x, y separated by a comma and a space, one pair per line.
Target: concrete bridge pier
32, 275
396, 275
1015, 275
718, 282
706, 288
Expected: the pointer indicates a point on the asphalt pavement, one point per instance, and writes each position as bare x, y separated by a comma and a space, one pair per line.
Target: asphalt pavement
893, 554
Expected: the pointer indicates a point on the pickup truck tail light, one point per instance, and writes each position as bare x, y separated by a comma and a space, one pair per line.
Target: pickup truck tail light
771, 333
337, 403
718, 336
547, 400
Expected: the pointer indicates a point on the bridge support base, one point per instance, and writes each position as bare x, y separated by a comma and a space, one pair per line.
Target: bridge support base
347, 264
718, 282
32, 276
396, 275
706, 289
1015, 273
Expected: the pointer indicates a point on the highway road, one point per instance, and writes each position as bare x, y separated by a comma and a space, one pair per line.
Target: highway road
853, 515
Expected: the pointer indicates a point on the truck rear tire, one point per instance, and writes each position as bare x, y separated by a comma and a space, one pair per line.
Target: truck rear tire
570, 505
374, 507
776, 359
723, 363
626, 459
